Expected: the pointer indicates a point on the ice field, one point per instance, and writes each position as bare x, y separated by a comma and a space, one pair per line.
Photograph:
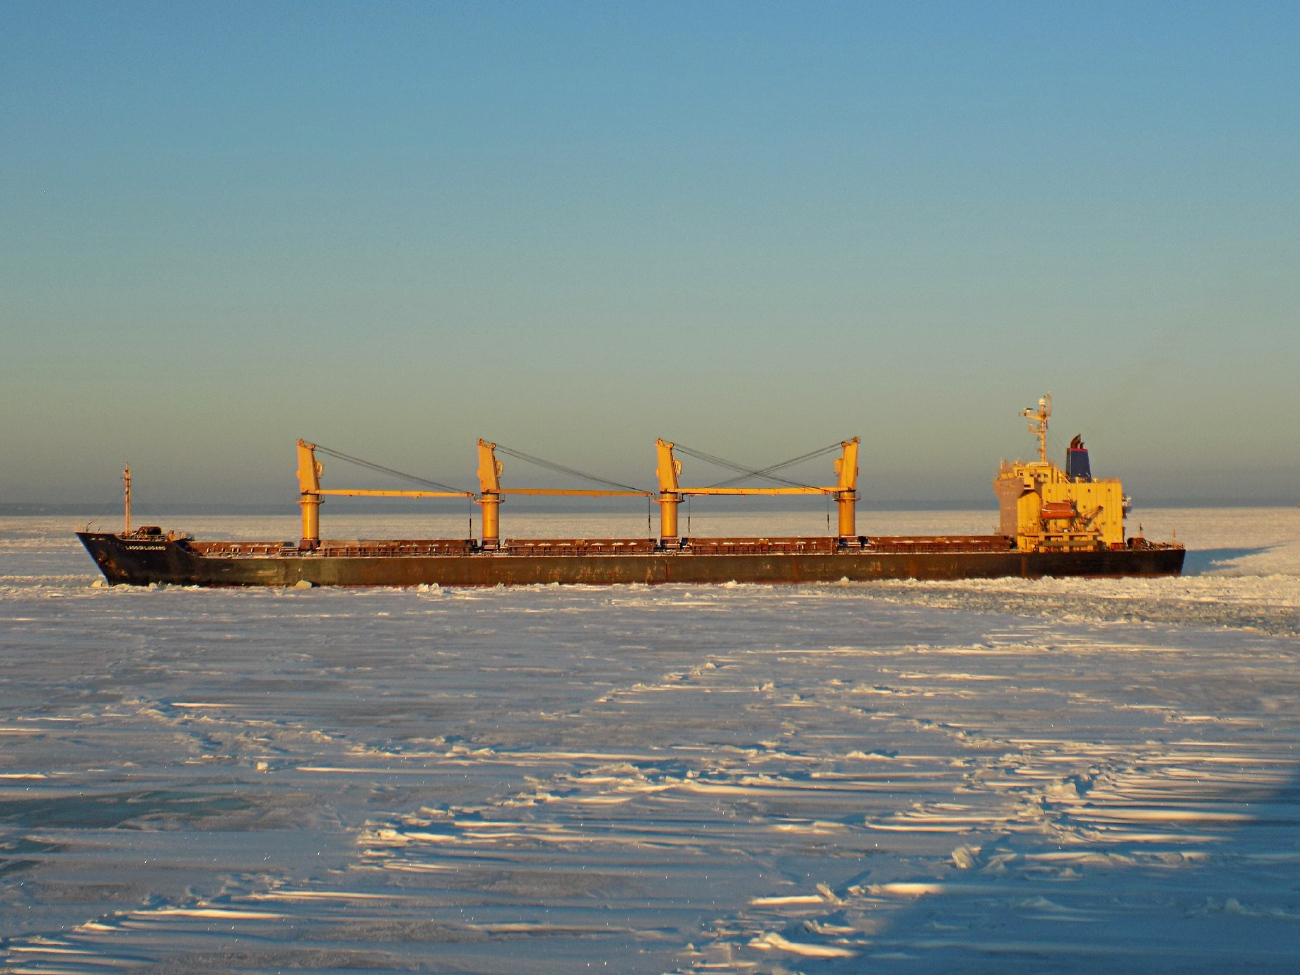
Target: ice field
997, 776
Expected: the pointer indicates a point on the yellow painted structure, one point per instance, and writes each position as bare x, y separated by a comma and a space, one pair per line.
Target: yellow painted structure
309, 472
311, 493
368, 493
671, 492
846, 488
1044, 510
491, 492
575, 493
667, 468
489, 482
1041, 507
489, 478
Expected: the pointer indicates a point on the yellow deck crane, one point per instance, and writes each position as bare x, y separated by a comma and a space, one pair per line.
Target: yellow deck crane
490, 491
671, 491
311, 493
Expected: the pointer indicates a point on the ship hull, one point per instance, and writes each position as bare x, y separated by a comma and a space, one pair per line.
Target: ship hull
135, 561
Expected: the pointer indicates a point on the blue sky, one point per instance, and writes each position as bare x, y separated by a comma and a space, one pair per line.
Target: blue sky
573, 227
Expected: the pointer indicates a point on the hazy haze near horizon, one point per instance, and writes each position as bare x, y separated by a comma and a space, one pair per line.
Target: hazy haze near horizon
754, 229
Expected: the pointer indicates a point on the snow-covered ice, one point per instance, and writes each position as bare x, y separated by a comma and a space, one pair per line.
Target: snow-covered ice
996, 776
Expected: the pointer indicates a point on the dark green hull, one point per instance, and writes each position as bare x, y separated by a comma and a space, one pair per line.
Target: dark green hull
135, 560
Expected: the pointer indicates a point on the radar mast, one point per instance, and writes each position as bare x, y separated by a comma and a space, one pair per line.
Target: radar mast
1038, 423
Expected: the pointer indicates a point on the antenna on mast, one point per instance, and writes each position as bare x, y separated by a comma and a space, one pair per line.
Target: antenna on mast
1038, 423
126, 485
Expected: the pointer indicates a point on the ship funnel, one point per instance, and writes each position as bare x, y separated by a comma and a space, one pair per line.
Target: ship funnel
1077, 467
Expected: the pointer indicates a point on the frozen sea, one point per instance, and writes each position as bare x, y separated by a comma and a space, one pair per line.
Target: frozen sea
999, 776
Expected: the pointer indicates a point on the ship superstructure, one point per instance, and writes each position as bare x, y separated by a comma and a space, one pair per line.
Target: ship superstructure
1047, 509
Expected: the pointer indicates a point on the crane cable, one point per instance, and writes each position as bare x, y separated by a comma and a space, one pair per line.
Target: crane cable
570, 471
764, 472
743, 472
767, 471
338, 454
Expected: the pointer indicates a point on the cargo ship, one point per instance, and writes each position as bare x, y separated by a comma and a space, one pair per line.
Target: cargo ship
1052, 522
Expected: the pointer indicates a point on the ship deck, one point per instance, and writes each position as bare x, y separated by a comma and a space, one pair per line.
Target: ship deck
794, 545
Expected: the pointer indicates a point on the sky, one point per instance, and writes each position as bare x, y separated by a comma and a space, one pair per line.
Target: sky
571, 228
